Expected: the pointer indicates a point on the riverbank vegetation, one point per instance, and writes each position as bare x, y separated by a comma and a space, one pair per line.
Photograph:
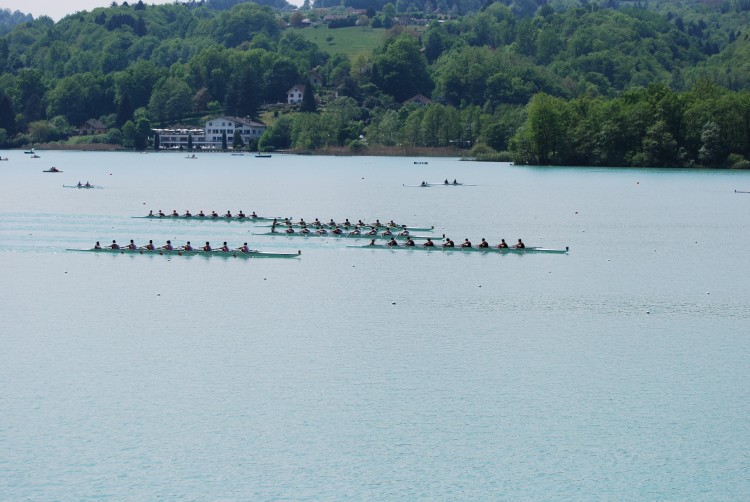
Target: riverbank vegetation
562, 82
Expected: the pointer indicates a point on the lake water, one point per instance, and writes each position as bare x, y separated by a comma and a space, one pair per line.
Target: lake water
616, 372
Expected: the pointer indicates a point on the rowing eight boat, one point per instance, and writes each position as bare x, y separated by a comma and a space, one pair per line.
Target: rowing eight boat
195, 252
526, 250
207, 218
345, 235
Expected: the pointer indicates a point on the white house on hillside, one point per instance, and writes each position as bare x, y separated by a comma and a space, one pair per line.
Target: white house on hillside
294, 95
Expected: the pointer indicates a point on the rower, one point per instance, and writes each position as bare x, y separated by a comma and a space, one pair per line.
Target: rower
302, 222
305, 230
373, 231
244, 248
79, 184
224, 248
361, 223
149, 246
392, 224
387, 232
377, 224
409, 242
289, 230
207, 247
372, 243
338, 231
317, 223
355, 232
201, 214
520, 244
214, 214
175, 214
446, 182
228, 215
483, 244
97, 245
273, 228
448, 243
424, 184
241, 215
332, 223
253, 215
188, 214
455, 182
428, 243
114, 245
132, 245
151, 213
87, 185
346, 223
161, 214
321, 231
392, 242
167, 246
404, 233
503, 244
187, 246
466, 243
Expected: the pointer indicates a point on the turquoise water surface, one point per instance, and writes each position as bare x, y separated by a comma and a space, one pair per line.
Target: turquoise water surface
617, 371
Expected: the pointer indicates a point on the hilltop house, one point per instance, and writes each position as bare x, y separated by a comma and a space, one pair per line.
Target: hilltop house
294, 95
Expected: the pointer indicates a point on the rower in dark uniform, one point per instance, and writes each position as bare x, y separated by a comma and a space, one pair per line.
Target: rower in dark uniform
207, 247
520, 244
149, 246
466, 243
167, 246
448, 243
392, 242
409, 242
503, 244
428, 243
483, 244
97, 245
132, 245
187, 246
114, 245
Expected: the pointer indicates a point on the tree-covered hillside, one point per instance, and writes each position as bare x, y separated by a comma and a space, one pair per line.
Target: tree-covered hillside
487, 77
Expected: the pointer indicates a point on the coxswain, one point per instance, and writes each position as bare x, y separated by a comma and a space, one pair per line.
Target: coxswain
228, 214
448, 243
97, 245
149, 246
484, 244
161, 214
503, 244
372, 243
520, 244
187, 246
207, 247
114, 245
241, 215
167, 246
428, 243
337, 231
392, 242
175, 214
188, 214
424, 184
466, 243
244, 248
273, 227
224, 248
446, 182
132, 245
151, 213
201, 214
214, 214
409, 242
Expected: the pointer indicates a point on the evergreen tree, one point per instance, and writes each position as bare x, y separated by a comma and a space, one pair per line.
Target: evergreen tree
157, 142
308, 100
237, 142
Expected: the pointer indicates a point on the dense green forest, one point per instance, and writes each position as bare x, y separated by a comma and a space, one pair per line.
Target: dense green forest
560, 82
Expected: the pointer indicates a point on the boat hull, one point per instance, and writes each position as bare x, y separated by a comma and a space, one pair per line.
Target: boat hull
205, 254
440, 249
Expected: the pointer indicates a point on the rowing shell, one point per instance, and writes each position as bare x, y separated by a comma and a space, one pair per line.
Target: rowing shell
348, 228
51, 171
82, 186
195, 252
313, 234
207, 218
458, 249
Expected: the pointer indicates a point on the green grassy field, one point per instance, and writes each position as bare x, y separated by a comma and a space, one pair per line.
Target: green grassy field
351, 41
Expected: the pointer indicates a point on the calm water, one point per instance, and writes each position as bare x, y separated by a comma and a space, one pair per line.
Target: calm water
617, 372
